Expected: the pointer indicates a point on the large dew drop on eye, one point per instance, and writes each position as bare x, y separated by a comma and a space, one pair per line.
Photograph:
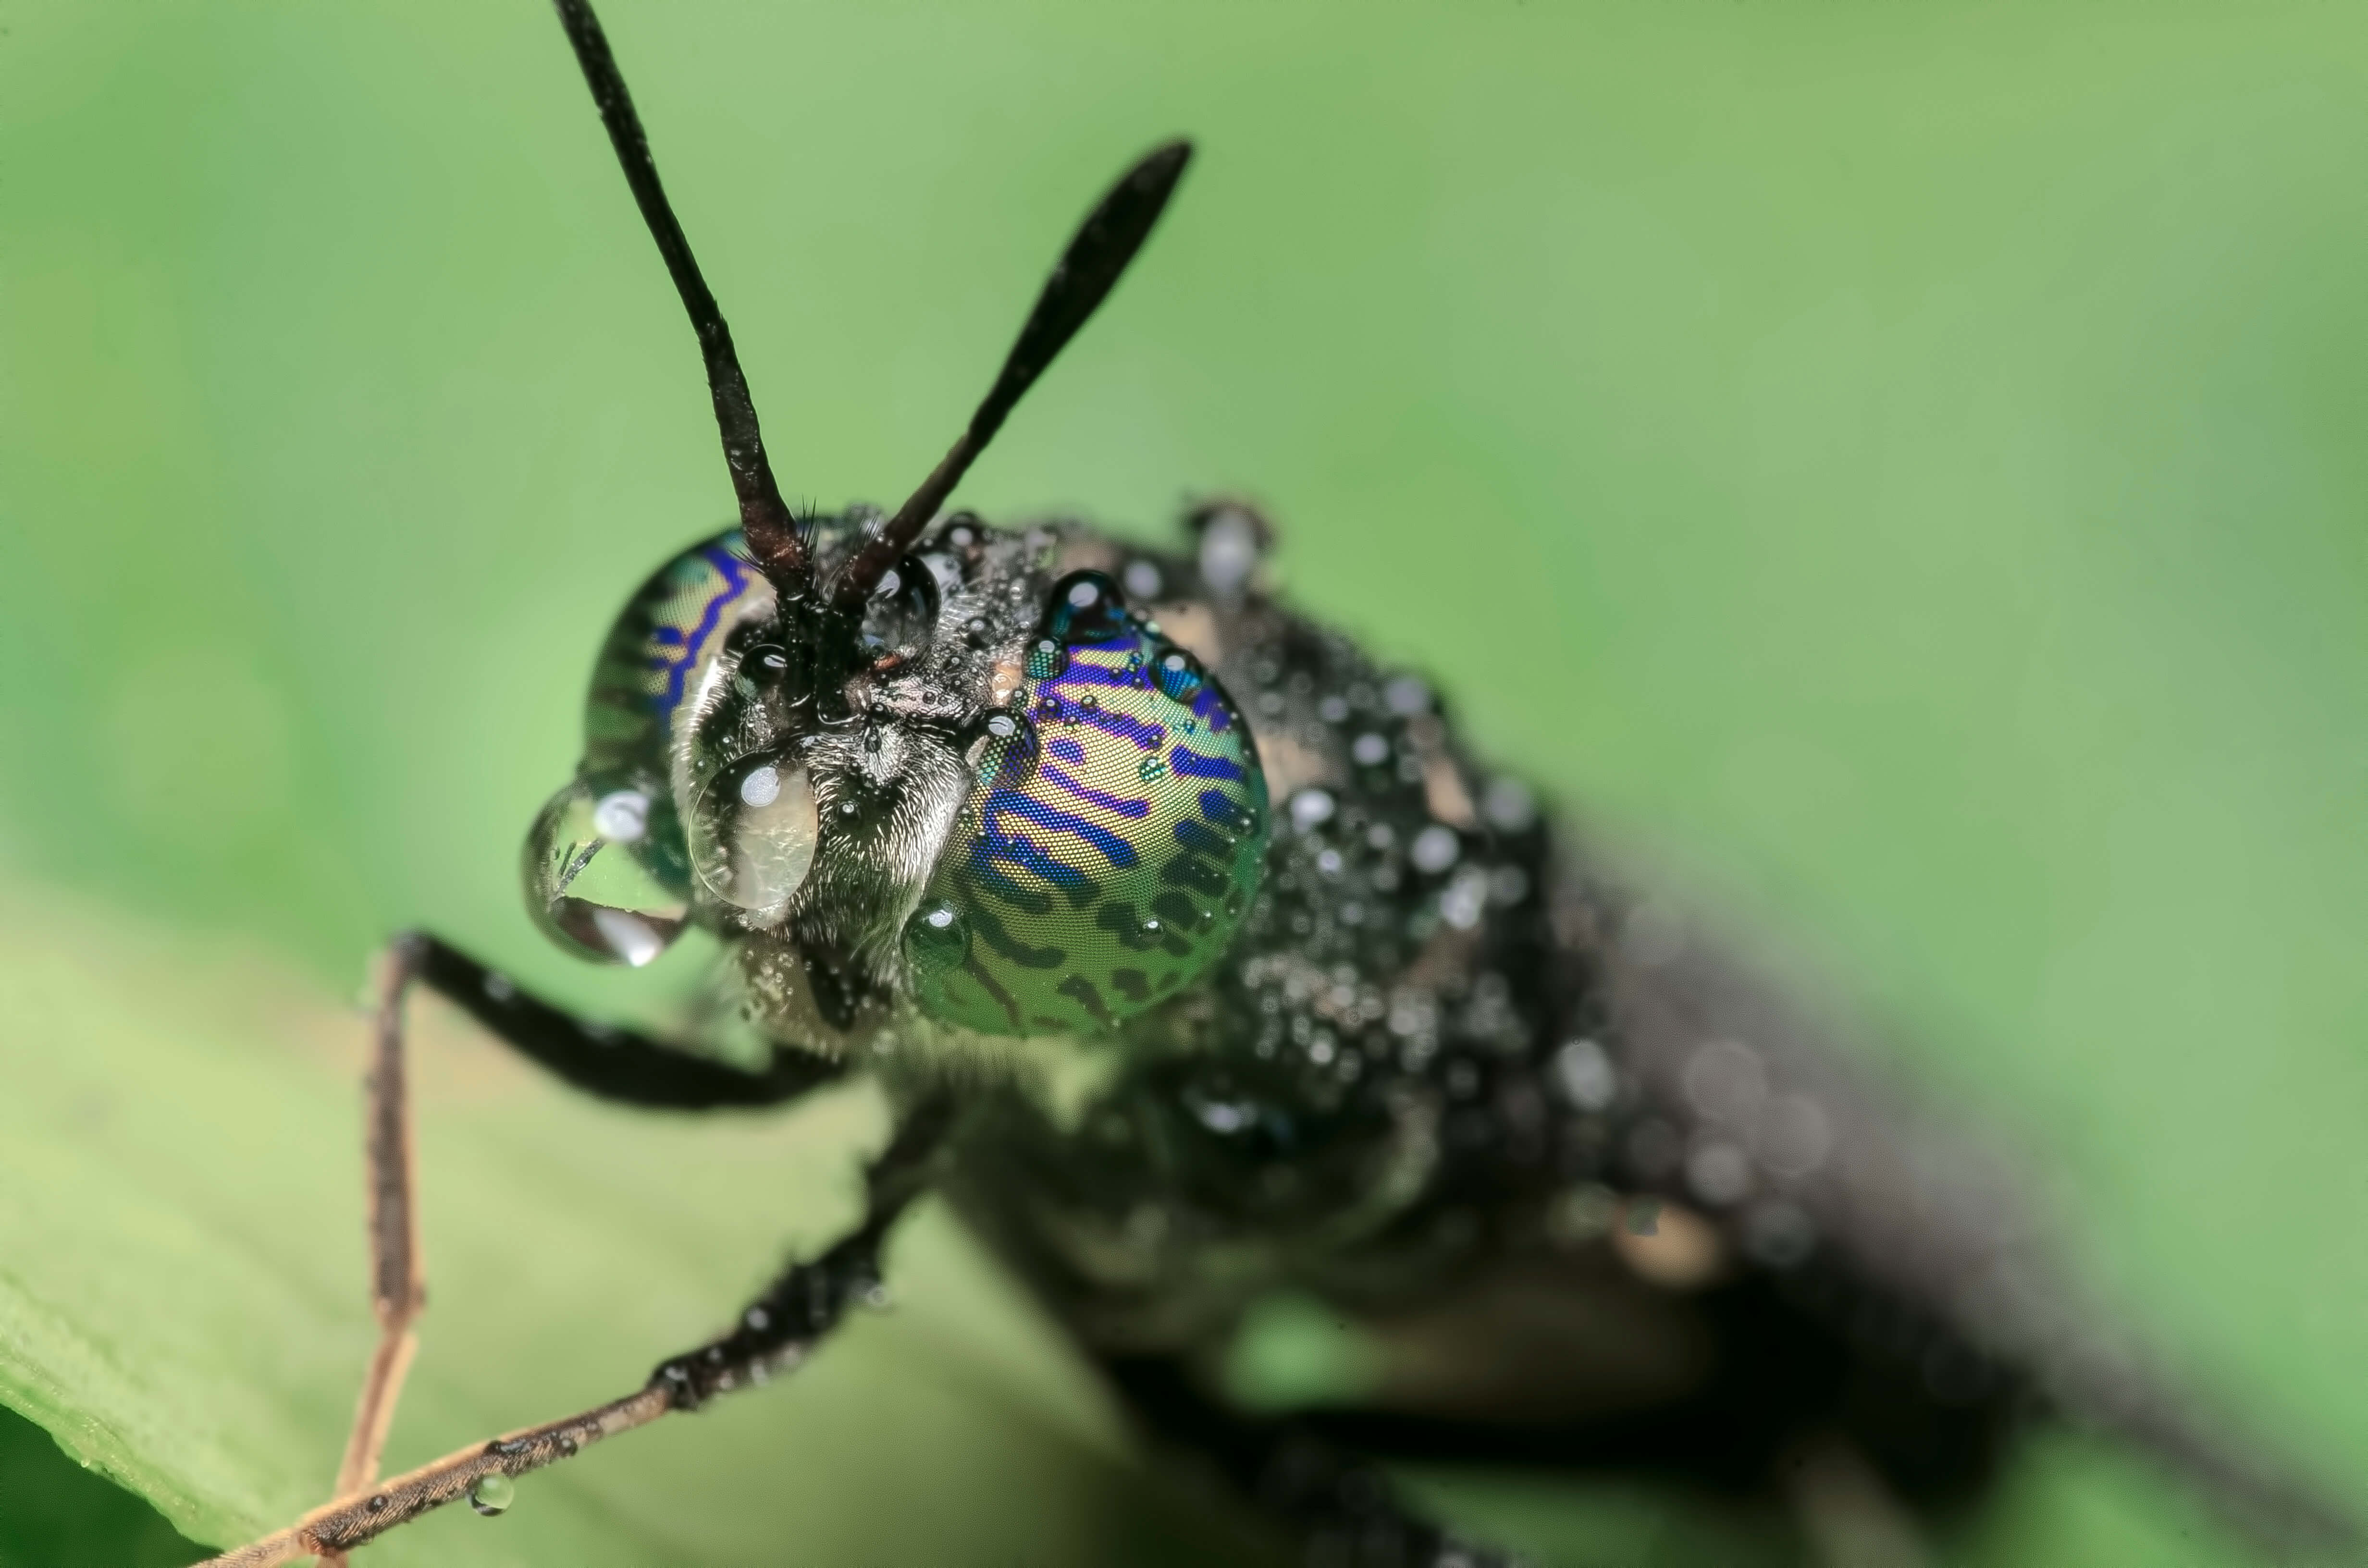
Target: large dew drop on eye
585, 885
752, 835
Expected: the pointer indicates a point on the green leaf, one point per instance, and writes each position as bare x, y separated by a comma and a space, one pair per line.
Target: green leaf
55, 1514
183, 1301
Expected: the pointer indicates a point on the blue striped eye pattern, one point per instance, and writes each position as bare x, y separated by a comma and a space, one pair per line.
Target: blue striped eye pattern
1113, 838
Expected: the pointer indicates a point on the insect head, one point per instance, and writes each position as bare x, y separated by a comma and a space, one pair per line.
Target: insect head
886, 768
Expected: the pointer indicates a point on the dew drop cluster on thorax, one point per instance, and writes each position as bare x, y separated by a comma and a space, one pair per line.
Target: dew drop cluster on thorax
1397, 942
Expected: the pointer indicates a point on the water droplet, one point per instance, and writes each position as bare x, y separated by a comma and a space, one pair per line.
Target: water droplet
1179, 675
1151, 768
754, 832
1230, 547
937, 940
1369, 750
901, 614
1046, 660
1507, 804
1584, 1071
1002, 747
593, 889
1466, 899
492, 1493
1311, 808
765, 664
621, 815
1226, 1115
1406, 695
1434, 848
1085, 606
1143, 580
944, 569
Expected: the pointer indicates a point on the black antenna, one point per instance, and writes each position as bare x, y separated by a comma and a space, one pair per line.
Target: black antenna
765, 521
1108, 240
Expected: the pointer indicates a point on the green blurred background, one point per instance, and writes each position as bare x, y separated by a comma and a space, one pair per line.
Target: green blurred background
1898, 466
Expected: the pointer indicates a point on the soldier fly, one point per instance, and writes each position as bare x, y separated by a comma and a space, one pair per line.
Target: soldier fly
1203, 966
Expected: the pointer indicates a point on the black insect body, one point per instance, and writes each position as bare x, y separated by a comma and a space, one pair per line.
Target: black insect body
1205, 969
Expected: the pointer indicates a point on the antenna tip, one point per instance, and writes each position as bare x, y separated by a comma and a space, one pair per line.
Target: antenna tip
1152, 178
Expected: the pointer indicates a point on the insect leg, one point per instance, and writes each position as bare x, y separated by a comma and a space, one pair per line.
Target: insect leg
784, 1324
1342, 1508
398, 1287
614, 1063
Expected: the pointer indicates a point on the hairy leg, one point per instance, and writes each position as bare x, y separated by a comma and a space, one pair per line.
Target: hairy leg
398, 1287
775, 1332
614, 1063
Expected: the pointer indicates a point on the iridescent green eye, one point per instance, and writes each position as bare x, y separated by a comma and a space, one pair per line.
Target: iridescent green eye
606, 866
586, 886
1113, 839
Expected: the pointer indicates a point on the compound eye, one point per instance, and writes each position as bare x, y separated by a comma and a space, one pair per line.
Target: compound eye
587, 884
753, 833
901, 614
1112, 841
